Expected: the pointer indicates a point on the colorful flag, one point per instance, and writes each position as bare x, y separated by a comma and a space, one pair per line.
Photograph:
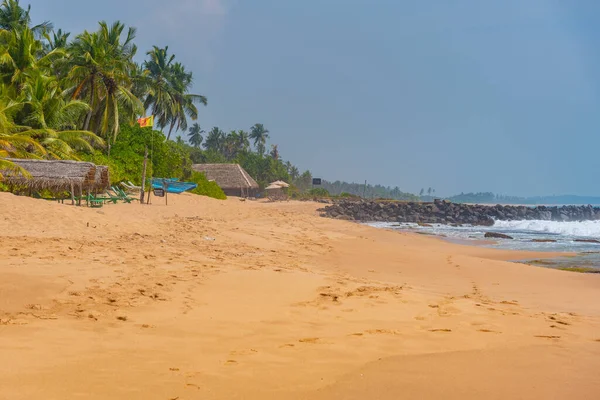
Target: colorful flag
146, 121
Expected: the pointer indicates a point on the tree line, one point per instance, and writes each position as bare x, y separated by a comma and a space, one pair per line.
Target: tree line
66, 96
78, 97
340, 188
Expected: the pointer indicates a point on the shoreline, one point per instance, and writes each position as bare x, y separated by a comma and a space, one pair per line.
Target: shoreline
504, 254
208, 298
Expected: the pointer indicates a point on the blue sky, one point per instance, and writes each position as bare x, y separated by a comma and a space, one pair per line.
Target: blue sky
499, 96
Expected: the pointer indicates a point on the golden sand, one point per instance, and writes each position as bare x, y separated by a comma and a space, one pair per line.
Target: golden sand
208, 299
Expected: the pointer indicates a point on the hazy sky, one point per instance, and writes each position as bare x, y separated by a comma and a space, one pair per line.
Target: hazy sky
472, 95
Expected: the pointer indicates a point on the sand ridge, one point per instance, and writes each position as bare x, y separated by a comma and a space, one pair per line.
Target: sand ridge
228, 299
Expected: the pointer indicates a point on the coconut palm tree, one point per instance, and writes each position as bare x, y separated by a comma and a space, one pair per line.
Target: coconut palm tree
45, 106
51, 119
168, 94
21, 54
12, 142
159, 98
195, 135
215, 140
294, 173
243, 140
184, 102
231, 145
140, 83
274, 152
56, 39
102, 63
259, 134
15, 17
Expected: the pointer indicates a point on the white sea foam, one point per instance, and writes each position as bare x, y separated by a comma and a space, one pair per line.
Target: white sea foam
581, 229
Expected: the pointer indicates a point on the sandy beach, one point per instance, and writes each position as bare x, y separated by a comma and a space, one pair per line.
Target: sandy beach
208, 299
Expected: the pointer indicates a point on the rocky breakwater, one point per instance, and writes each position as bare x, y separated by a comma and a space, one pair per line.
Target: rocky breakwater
445, 212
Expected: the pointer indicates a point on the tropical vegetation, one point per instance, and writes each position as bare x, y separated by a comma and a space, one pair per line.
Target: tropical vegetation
78, 96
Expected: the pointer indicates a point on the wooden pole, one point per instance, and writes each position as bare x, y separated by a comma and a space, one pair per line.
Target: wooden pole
166, 193
143, 192
72, 194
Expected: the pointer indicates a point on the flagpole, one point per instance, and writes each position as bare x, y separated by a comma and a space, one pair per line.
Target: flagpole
148, 122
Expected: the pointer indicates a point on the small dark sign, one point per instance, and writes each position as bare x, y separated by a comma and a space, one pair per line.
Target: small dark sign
159, 192
316, 181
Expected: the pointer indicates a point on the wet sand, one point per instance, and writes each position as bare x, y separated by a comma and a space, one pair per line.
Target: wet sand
208, 299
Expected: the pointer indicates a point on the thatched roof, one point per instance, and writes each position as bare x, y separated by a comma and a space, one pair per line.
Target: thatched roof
227, 176
273, 186
52, 174
102, 177
281, 184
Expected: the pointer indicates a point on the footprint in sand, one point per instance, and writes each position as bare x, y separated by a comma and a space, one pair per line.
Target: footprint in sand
547, 336
243, 352
382, 332
309, 340
558, 321
440, 330
487, 331
192, 385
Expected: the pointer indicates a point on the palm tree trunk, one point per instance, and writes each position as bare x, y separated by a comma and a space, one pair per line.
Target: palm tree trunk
88, 118
170, 130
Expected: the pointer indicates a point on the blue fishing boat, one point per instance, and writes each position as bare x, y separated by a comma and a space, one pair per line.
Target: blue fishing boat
171, 185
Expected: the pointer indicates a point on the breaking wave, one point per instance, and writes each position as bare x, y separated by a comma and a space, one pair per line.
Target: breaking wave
579, 229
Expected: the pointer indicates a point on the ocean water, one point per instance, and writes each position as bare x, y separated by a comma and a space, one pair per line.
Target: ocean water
565, 235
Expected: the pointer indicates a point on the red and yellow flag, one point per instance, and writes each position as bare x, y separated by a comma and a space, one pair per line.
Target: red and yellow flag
146, 121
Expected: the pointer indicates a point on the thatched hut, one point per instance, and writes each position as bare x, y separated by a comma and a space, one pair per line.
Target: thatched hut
275, 191
102, 178
55, 175
232, 178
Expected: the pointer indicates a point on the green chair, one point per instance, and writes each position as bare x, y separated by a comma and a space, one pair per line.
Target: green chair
122, 195
95, 202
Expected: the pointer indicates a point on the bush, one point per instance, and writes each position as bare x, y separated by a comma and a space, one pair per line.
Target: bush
206, 188
166, 159
318, 192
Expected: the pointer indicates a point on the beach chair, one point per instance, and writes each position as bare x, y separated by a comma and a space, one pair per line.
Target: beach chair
131, 187
122, 195
107, 198
134, 186
94, 201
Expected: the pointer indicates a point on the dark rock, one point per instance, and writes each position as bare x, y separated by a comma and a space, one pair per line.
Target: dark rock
424, 225
444, 212
544, 241
497, 235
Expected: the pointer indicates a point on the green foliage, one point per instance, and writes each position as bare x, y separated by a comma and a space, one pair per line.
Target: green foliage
78, 97
482, 197
263, 169
319, 192
167, 159
122, 169
206, 188
368, 191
